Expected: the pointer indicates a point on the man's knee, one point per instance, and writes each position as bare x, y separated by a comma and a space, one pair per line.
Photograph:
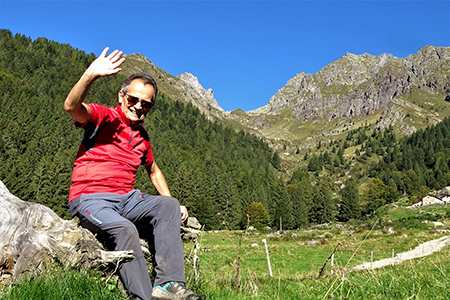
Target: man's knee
171, 202
167, 208
170, 205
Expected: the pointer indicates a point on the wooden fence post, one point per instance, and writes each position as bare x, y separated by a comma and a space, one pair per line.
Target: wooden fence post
392, 256
371, 259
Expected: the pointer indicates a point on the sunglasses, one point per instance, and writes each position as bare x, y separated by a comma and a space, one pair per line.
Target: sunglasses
132, 100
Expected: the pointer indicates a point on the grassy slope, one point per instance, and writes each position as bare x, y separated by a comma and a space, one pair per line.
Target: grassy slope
417, 110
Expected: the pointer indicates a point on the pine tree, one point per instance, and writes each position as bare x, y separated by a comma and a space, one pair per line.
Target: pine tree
349, 208
323, 207
283, 212
276, 160
300, 209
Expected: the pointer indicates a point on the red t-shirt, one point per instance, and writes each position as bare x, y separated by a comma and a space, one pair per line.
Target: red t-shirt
110, 153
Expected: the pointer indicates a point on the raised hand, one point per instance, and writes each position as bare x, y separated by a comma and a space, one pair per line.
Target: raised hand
106, 65
102, 66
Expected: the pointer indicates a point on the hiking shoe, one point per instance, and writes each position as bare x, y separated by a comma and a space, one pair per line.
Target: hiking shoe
174, 290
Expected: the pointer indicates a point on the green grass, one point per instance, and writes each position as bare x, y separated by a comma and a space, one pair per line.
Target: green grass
295, 266
62, 284
295, 269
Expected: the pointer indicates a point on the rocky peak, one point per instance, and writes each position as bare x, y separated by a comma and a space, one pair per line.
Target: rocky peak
185, 87
356, 85
198, 92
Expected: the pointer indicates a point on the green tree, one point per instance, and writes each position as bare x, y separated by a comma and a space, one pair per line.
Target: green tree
258, 216
300, 209
323, 208
276, 160
376, 195
349, 208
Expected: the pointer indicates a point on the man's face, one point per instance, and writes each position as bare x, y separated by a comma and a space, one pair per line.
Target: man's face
136, 111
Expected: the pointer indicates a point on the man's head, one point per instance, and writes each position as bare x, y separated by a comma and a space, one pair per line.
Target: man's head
137, 96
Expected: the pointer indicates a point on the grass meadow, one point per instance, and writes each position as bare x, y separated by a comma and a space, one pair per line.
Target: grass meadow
233, 264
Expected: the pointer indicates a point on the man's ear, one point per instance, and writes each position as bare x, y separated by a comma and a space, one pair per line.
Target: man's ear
121, 94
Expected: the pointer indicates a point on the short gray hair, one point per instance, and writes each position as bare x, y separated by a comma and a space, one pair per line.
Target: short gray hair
147, 79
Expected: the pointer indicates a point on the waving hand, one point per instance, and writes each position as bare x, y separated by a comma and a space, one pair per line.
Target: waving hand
106, 65
103, 66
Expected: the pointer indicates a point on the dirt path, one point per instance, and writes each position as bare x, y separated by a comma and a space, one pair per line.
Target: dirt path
424, 249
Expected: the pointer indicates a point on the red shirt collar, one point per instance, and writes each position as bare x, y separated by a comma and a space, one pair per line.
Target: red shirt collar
125, 118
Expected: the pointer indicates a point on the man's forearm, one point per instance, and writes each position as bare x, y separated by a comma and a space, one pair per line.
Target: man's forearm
79, 92
157, 179
159, 182
73, 102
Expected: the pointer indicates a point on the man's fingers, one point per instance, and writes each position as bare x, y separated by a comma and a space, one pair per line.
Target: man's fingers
184, 213
115, 54
104, 51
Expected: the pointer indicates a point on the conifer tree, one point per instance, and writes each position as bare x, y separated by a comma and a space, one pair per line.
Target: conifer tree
299, 208
283, 210
349, 208
276, 160
323, 208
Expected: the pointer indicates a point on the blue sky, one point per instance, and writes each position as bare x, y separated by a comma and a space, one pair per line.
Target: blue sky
244, 50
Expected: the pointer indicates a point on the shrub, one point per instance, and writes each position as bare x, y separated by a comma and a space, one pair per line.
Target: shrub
258, 215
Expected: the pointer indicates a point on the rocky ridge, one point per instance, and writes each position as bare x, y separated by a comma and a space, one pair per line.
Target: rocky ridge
357, 85
354, 87
185, 87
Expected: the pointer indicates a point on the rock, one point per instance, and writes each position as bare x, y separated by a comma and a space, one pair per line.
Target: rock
191, 231
32, 236
436, 224
355, 85
193, 223
312, 243
274, 234
445, 192
197, 92
189, 236
390, 230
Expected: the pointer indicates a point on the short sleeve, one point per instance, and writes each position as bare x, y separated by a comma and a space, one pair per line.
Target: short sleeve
96, 115
147, 158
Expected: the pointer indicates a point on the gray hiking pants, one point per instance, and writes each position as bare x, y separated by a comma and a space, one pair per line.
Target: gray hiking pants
119, 221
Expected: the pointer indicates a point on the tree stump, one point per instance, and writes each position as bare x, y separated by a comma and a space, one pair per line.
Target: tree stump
33, 236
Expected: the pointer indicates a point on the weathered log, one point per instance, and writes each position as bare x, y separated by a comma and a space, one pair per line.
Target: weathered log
32, 236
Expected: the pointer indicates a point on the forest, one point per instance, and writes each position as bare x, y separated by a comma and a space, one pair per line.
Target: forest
213, 170
228, 179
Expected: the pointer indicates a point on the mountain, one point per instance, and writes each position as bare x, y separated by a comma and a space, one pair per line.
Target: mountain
355, 90
407, 93
184, 87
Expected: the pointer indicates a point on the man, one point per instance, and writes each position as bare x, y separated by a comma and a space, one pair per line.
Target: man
102, 193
